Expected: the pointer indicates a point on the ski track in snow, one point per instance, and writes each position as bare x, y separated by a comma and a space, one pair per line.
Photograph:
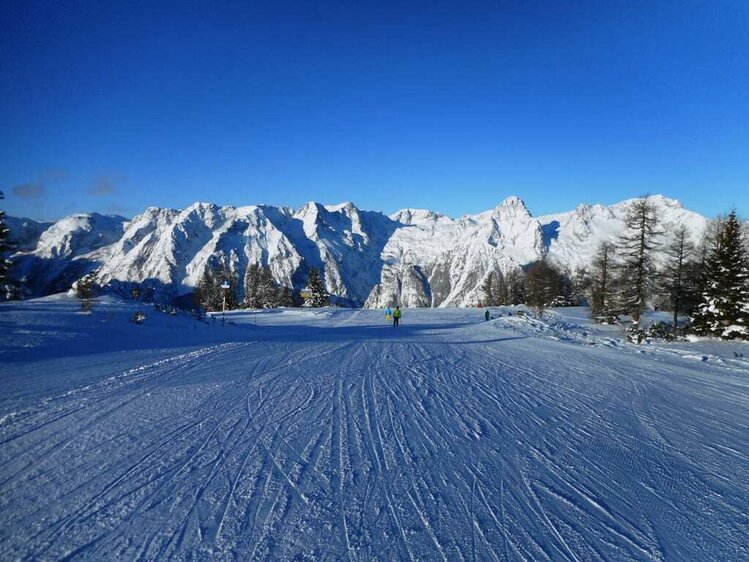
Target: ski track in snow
344, 439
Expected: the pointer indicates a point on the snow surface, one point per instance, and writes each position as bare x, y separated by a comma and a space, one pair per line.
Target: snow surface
329, 435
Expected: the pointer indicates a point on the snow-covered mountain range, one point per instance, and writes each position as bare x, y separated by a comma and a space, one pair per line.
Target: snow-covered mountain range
413, 257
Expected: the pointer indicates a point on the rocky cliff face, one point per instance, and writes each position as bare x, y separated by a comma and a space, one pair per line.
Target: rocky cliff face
433, 260
53, 256
414, 257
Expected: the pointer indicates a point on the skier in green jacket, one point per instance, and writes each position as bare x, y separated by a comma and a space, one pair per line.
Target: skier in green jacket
396, 316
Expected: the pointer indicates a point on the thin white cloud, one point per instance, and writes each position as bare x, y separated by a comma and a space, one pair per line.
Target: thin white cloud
28, 190
103, 186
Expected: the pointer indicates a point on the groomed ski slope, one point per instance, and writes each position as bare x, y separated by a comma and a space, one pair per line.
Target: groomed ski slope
332, 436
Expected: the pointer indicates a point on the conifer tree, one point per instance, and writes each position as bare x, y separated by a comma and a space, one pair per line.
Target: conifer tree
252, 297
724, 310
675, 279
208, 292
495, 289
543, 285
267, 289
707, 246
200, 295
499, 289
636, 254
566, 295
515, 280
487, 288
581, 282
318, 296
8, 289
602, 297
285, 296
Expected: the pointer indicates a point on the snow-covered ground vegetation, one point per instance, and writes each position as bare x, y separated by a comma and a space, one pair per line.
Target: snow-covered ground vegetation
327, 434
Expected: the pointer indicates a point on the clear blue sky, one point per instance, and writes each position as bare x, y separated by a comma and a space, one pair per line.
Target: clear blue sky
116, 106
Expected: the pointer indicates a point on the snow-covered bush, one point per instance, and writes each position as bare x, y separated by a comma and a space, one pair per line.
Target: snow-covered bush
610, 319
86, 289
657, 331
138, 318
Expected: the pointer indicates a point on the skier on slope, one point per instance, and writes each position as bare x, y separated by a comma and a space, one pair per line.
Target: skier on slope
388, 313
487, 316
396, 316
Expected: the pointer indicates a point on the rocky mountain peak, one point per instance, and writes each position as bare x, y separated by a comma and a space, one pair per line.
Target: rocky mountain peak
512, 206
415, 257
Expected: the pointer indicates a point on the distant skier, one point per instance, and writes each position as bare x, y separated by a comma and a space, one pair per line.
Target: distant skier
396, 316
487, 316
388, 313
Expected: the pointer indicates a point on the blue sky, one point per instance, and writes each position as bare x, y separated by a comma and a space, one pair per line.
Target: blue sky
116, 106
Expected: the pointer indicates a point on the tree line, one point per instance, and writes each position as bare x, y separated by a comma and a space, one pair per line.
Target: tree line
9, 290
260, 290
705, 282
539, 284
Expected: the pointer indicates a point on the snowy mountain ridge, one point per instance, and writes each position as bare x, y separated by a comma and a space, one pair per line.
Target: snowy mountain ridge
414, 257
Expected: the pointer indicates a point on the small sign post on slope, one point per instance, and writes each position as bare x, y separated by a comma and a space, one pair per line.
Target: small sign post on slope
224, 287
